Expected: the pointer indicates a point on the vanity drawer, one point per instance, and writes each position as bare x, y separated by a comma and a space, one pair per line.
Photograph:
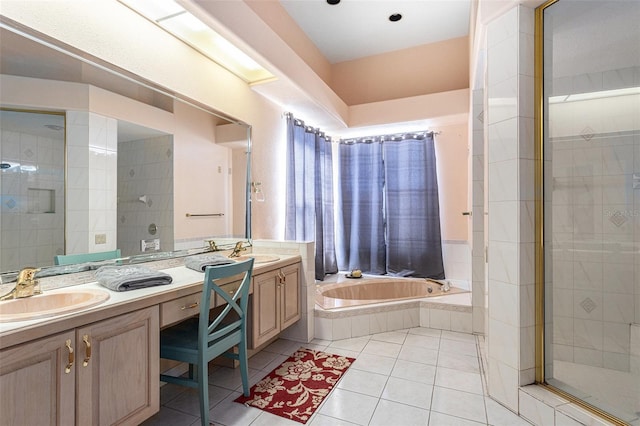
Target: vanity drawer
187, 306
179, 309
230, 289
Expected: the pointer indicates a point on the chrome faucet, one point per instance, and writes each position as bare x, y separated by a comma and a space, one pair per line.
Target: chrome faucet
237, 249
26, 285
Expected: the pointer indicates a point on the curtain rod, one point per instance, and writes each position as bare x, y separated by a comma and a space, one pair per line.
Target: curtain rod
391, 137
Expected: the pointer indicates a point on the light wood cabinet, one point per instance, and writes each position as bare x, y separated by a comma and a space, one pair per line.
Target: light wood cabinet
34, 388
276, 302
104, 373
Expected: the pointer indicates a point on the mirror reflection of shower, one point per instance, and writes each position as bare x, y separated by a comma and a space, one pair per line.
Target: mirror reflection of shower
32, 187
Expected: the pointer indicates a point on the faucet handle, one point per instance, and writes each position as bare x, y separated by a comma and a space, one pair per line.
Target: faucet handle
212, 245
237, 249
27, 274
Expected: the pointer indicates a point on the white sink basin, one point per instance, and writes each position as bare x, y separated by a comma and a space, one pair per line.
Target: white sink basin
51, 303
258, 258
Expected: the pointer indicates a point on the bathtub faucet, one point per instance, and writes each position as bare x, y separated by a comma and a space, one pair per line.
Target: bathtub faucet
444, 285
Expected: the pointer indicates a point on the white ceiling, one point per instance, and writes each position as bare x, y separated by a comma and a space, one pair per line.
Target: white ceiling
358, 28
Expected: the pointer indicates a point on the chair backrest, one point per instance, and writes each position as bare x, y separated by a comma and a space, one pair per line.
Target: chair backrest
216, 328
68, 259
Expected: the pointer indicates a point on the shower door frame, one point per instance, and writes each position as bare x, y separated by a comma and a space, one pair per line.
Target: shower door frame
539, 134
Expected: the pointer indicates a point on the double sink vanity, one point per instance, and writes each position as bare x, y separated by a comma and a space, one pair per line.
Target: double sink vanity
87, 355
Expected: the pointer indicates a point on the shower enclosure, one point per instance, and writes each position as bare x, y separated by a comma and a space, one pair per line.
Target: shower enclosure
590, 128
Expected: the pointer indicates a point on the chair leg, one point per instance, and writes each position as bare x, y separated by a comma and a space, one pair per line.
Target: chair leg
203, 390
244, 368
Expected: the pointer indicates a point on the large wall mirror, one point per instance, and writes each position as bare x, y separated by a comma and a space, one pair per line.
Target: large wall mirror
88, 160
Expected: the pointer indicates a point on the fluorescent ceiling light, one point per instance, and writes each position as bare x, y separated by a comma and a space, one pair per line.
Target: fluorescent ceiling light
180, 23
594, 95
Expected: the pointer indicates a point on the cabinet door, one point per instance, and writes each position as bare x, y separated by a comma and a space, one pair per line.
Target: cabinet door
35, 387
266, 309
290, 295
119, 377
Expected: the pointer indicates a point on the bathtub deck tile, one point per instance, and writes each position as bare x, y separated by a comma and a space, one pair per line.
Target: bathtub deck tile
323, 328
411, 317
424, 317
360, 325
439, 318
394, 320
378, 322
341, 328
462, 322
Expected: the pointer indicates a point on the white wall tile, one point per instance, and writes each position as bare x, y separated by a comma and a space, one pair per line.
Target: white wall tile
505, 53
503, 383
502, 27
503, 221
502, 102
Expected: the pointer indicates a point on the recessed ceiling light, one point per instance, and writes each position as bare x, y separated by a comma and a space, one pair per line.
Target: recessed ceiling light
333, 2
395, 17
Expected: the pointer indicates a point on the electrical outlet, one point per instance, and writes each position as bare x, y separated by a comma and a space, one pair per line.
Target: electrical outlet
101, 238
150, 245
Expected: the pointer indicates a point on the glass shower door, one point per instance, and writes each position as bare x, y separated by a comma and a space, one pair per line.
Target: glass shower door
591, 99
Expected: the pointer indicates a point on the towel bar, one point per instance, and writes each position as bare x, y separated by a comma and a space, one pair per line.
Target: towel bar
205, 214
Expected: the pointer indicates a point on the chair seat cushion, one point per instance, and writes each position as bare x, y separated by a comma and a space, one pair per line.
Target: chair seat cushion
183, 335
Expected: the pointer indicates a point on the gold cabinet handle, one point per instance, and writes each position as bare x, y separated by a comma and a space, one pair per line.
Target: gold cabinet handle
72, 357
87, 350
191, 306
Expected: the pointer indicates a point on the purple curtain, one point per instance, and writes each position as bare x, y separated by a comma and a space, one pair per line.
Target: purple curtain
360, 231
388, 206
414, 243
309, 209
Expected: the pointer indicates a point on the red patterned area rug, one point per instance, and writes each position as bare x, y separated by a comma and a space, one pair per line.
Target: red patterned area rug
295, 389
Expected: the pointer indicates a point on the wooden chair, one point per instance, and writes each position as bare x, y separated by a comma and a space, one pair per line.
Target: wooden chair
198, 340
68, 259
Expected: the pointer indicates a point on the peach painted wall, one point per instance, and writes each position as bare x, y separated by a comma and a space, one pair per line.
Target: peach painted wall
430, 68
452, 154
200, 175
433, 109
87, 27
274, 15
